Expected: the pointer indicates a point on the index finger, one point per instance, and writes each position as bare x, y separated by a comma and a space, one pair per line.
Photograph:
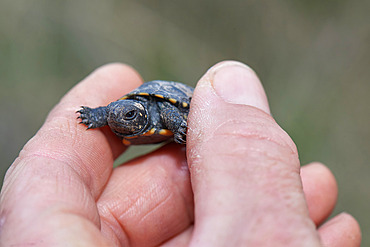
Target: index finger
62, 170
89, 153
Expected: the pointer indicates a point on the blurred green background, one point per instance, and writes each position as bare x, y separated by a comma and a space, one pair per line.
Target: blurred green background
312, 56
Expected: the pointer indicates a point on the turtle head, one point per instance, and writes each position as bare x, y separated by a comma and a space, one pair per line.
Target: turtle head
127, 117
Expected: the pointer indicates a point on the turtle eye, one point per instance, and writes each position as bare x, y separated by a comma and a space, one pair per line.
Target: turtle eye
130, 115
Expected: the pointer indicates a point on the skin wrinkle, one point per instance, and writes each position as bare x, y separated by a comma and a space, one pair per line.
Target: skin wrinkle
123, 236
61, 155
107, 212
185, 176
249, 136
259, 220
75, 161
266, 187
134, 203
273, 164
273, 171
152, 192
50, 210
159, 224
138, 203
69, 161
174, 184
251, 168
166, 185
274, 167
73, 179
197, 107
10, 178
252, 151
129, 204
189, 210
155, 207
110, 232
255, 130
246, 130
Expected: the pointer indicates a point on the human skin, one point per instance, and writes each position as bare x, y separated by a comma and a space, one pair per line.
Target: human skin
238, 182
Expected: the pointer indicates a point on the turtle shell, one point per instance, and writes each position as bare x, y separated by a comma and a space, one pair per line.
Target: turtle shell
176, 93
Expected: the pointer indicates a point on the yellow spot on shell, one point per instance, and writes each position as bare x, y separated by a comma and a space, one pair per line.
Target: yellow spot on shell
173, 101
143, 94
150, 132
184, 104
130, 137
165, 132
158, 96
124, 97
126, 142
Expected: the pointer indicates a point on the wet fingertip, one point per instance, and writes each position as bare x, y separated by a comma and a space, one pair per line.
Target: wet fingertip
320, 170
321, 190
341, 230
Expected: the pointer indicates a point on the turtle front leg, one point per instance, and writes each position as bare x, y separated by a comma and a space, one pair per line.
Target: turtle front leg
93, 117
174, 120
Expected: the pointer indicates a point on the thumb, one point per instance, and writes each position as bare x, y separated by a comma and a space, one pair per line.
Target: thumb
244, 167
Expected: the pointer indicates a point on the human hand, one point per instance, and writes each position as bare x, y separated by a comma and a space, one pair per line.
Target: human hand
245, 186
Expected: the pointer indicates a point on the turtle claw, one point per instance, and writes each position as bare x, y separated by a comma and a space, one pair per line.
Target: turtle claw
90, 126
180, 135
180, 139
92, 117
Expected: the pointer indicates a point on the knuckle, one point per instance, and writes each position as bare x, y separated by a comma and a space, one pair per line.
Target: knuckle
257, 127
247, 135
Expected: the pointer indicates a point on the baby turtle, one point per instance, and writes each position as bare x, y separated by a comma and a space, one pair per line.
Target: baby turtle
154, 112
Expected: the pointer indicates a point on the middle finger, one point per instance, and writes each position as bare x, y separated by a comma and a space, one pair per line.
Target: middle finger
149, 199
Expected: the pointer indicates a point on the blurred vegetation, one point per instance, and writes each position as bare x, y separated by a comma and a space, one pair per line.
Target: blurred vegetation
312, 56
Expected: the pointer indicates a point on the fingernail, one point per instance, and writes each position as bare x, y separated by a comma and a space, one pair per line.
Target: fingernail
236, 83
